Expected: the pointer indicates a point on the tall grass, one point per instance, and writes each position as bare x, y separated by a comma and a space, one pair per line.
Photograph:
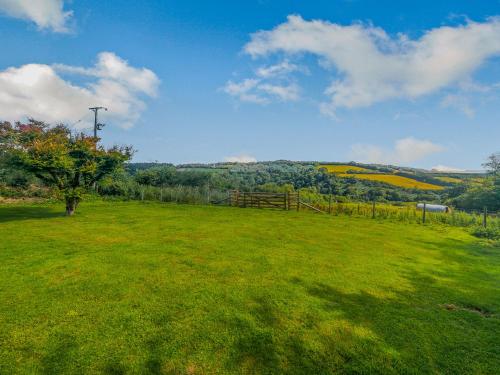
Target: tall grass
405, 213
178, 194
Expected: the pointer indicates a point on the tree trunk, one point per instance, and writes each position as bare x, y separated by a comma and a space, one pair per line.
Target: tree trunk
71, 204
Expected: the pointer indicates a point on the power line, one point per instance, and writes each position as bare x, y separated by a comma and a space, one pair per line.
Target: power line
77, 122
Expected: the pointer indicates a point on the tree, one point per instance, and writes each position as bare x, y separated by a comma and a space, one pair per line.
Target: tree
487, 192
71, 163
493, 164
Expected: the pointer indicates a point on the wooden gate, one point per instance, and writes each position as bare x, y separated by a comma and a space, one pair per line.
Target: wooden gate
255, 199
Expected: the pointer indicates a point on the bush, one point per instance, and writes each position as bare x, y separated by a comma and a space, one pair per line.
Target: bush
19, 180
490, 233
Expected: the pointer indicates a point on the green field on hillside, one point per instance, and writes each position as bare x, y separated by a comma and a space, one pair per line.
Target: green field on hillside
131, 288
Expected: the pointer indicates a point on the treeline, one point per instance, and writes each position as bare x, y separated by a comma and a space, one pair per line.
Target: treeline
270, 176
200, 183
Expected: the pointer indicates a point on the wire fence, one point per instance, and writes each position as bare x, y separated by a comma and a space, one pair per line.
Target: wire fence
176, 194
410, 214
404, 212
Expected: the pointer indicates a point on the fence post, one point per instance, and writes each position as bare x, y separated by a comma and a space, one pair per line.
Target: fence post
373, 209
485, 215
423, 215
298, 201
161, 194
142, 194
330, 205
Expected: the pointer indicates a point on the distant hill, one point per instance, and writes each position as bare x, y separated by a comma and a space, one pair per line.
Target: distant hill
404, 177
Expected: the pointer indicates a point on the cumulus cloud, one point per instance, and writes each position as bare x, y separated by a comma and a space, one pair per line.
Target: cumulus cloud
110, 66
243, 158
41, 92
373, 66
406, 150
46, 14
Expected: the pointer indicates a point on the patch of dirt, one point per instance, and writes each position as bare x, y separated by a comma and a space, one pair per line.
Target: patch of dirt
472, 309
191, 369
21, 200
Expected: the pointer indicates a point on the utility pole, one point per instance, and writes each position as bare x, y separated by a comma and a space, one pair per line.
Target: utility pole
97, 126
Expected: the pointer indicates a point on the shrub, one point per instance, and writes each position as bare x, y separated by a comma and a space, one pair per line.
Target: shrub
19, 180
491, 233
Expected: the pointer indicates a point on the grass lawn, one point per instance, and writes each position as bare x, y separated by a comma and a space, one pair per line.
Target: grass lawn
151, 288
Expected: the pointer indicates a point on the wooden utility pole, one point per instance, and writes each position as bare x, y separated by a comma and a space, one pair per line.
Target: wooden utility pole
97, 125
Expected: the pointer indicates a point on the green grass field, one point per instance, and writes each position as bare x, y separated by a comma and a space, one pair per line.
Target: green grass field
175, 289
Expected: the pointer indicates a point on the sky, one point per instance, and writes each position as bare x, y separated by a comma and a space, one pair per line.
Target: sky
412, 83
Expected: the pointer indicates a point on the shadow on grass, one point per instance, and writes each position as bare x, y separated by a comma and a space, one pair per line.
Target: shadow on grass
324, 329
61, 350
411, 331
18, 213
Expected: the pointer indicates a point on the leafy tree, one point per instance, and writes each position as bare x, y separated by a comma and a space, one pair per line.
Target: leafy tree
493, 164
72, 164
486, 193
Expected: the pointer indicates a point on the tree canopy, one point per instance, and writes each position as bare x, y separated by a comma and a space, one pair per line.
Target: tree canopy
71, 163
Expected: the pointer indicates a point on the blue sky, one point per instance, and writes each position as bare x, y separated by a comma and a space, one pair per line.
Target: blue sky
409, 83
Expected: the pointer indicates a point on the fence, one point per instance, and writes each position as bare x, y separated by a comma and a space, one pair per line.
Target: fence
284, 201
177, 194
325, 204
407, 213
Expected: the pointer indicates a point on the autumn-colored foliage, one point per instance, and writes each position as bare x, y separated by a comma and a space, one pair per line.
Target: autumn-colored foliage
71, 163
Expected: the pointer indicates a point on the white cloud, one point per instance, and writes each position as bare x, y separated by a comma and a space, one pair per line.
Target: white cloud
269, 83
245, 91
444, 168
110, 66
284, 93
280, 69
253, 91
373, 66
458, 102
240, 159
39, 91
46, 14
406, 150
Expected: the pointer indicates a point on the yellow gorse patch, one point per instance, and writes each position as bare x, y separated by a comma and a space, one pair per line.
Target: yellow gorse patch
393, 179
400, 181
333, 168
